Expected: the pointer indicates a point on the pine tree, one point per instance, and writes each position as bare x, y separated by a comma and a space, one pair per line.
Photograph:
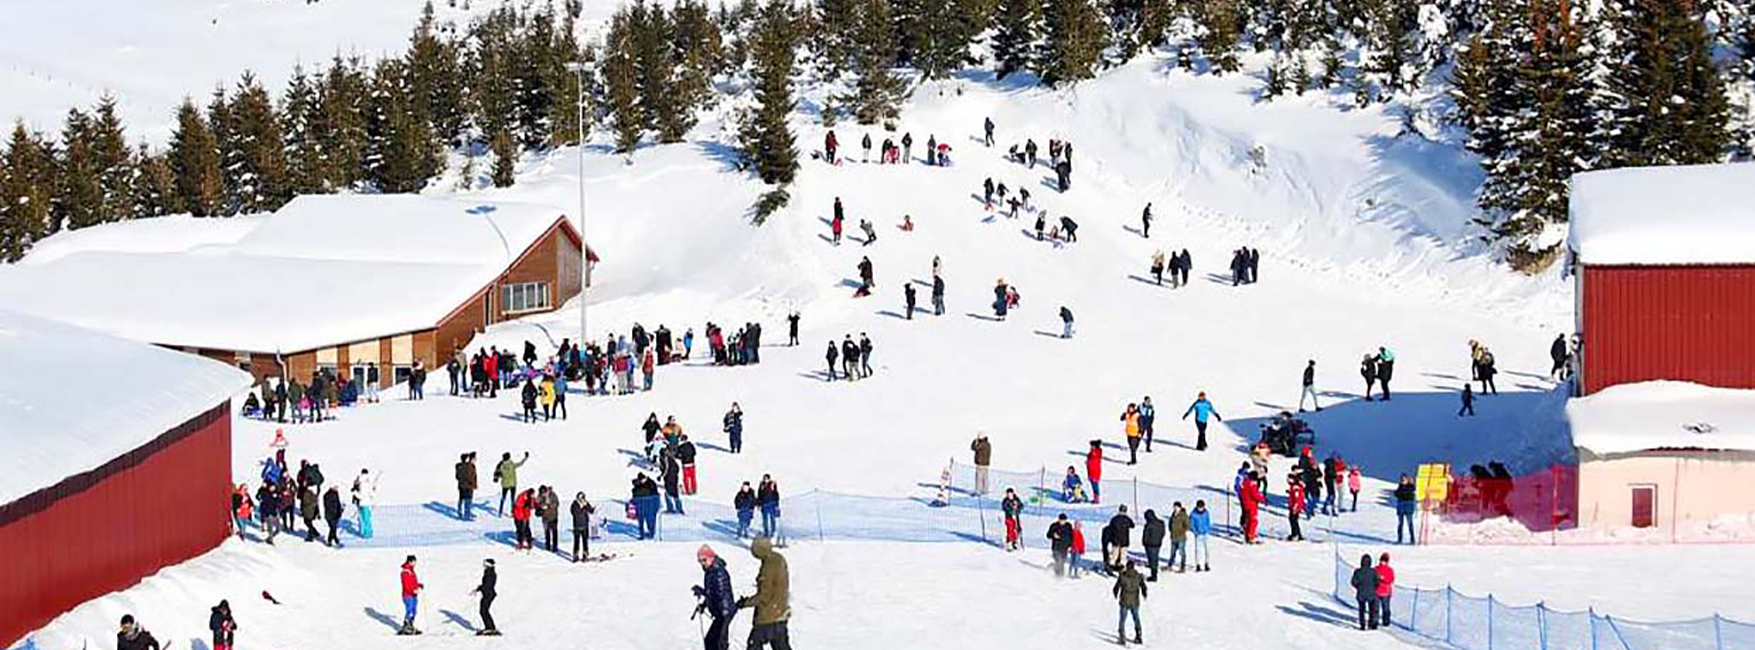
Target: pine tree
1394, 60
492, 93
1666, 100
621, 82
698, 44
938, 42
765, 136
505, 159
112, 161
435, 78
564, 112
1274, 83
1014, 36
1072, 42
1221, 31
154, 189
1554, 141
877, 91
260, 147
79, 199
304, 154
533, 78
219, 121
402, 153
837, 25
1300, 74
194, 161
27, 185
340, 129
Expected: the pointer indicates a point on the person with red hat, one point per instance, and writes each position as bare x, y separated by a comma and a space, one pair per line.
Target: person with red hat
1385, 587
715, 598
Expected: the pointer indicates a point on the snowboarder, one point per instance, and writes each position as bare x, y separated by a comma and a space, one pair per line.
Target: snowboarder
1129, 590
466, 484
1365, 592
770, 599
506, 473
1202, 409
983, 459
487, 591
411, 588
1200, 522
1146, 221
134, 637
1012, 508
222, 625
1066, 322
1468, 401
715, 598
581, 510
1309, 390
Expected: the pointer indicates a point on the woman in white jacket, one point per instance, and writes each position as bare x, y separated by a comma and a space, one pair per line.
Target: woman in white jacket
365, 497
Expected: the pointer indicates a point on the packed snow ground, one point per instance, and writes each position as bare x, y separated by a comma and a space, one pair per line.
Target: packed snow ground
1363, 244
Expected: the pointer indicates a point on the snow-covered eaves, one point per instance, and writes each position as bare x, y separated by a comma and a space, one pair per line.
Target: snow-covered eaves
1679, 215
322, 271
72, 399
1659, 415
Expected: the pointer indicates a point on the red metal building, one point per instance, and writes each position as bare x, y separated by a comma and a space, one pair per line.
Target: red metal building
99, 494
1665, 275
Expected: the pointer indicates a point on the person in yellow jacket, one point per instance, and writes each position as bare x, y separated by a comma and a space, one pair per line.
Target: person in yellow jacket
548, 398
1131, 425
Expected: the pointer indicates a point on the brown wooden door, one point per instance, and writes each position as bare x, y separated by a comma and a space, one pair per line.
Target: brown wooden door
1644, 506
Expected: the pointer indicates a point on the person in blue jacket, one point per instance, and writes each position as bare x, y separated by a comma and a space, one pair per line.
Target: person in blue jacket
1148, 413
1200, 522
715, 598
1202, 410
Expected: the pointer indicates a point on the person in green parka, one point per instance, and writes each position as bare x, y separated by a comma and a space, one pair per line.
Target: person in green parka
770, 599
1130, 589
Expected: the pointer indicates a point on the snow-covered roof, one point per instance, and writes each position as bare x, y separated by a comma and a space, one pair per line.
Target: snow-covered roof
1699, 214
72, 399
322, 271
1663, 415
170, 234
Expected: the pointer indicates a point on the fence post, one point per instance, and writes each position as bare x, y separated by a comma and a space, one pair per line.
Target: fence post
1718, 633
1448, 592
1592, 613
1617, 630
1414, 613
1542, 623
819, 519
981, 513
1489, 621
1136, 494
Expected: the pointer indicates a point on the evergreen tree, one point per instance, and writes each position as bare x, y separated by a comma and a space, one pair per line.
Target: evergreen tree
260, 149
1554, 141
436, 78
764, 134
79, 199
621, 81
304, 153
194, 161
27, 183
1221, 30
698, 46
1666, 100
837, 26
219, 121
1394, 61
877, 91
1072, 43
1014, 36
154, 190
536, 69
938, 42
340, 129
505, 159
402, 154
491, 70
112, 161
564, 112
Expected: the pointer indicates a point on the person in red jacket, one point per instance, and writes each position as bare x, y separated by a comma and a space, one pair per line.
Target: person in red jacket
1078, 547
1251, 498
521, 509
829, 146
1385, 587
411, 587
1294, 506
1094, 470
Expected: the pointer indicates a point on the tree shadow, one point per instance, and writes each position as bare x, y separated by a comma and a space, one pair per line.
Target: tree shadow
1441, 375
381, 617
723, 154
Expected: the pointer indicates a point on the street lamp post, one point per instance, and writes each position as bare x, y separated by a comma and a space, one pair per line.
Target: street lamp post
578, 69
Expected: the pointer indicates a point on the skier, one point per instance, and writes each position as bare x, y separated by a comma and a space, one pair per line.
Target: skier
770, 600
581, 510
134, 637
466, 483
1202, 409
1468, 401
1365, 592
1152, 537
506, 473
1385, 369
1129, 589
1146, 221
487, 590
987, 130
1060, 534
1404, 509
365, 497
1368, 370
1309, 390
1012, 508
1066, 322
332, 515
745, 504
938, 295
1200, 522
1148, 416
411, 588
222, 625
908, 301
715, 598
1130, 419
983, 458
1385, 588
1094, 470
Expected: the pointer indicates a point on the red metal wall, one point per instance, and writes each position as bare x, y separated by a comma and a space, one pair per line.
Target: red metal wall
104, 530
1692, 323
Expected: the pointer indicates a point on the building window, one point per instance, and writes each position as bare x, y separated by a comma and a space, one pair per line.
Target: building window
524, 296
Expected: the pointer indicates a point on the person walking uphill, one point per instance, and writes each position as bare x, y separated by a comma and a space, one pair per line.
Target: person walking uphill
1202, 409
1309, 390
770, 600
715, 598
1365, 591
983, 460
411, 588
1129, 590
506, 474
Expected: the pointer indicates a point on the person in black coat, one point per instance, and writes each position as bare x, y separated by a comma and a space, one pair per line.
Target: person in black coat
489, 591
716, 598
134, 637
332, 510
223, 626
672, 470
908, 301
745, 504
529, 397
1365, 590
1152, 537
645, 497
1060, 538
1120, 536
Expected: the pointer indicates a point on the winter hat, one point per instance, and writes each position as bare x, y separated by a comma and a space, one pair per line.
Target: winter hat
489, 563
706, 553
1203, 394
1383, 559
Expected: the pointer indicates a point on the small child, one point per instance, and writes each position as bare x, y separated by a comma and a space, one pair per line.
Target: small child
1353, 485
1468, 401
